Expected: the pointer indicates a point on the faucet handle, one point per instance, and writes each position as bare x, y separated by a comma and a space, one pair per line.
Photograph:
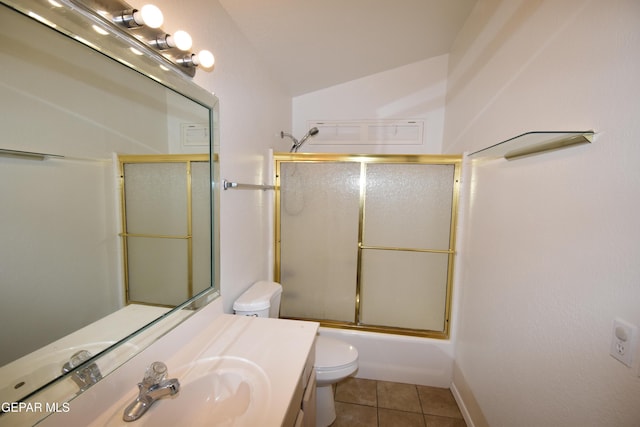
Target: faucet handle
79, 358
155, 373
86, 376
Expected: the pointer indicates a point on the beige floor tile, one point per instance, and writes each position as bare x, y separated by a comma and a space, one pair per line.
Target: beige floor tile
370, 403
403, 397
438, 401
393, 418
350, 415
435, 421
357, 390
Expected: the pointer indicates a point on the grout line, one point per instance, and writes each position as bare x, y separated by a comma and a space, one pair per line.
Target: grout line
419, 401
377, 407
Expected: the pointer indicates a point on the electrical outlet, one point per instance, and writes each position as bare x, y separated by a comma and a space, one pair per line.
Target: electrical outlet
623, 341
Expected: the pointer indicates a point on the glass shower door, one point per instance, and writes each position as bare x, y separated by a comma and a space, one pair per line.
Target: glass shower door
367, 242
406, 242
319, 239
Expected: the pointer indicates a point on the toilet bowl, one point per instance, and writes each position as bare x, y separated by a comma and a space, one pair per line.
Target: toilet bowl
335, 360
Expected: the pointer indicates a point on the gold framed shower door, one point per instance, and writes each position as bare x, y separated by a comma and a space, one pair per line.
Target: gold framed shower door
187, 236
364, 160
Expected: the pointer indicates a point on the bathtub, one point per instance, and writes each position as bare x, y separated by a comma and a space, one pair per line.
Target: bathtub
399, 358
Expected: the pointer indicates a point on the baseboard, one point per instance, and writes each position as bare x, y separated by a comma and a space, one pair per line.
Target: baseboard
463, 408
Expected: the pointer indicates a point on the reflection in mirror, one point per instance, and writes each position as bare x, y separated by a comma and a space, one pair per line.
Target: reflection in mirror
63, 259
165, 229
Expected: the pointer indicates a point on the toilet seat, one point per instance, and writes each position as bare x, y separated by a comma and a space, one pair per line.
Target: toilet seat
334, 358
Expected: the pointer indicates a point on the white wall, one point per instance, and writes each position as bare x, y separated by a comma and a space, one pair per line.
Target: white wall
414, 91
551, 250
550, 255
253, 110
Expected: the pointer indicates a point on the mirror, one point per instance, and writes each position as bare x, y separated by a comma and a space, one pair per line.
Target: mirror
75, 121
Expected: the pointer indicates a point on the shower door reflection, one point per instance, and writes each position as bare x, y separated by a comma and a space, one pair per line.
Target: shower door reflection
367, 242
166, 228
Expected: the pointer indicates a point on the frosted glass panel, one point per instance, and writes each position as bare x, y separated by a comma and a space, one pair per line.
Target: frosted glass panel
408, 205
156, 198
158, 270
404, 289
201, 208
319, 210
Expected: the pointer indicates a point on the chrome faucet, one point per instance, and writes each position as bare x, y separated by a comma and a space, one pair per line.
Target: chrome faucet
86, 376
154, 386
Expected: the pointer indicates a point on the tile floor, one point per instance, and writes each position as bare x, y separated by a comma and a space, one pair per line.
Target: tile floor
370, 403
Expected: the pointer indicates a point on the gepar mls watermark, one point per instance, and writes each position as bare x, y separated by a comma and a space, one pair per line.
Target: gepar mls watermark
32, 407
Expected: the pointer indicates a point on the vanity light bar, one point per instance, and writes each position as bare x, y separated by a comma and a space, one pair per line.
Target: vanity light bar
148, 15
142, 28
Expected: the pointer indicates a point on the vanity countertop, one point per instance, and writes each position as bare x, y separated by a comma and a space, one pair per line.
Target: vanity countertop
278, 348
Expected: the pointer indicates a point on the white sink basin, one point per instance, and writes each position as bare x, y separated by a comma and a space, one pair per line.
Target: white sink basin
45, 367
216, 391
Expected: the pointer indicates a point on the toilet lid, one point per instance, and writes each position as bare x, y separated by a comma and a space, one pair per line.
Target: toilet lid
257, 297
333, 353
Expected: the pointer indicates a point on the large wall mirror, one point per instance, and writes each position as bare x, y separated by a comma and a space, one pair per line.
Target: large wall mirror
95, 157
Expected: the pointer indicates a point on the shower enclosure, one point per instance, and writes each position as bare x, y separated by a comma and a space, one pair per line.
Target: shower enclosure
165, 203
367, 241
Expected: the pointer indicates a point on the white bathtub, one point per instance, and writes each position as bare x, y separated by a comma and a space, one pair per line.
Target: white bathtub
399, 358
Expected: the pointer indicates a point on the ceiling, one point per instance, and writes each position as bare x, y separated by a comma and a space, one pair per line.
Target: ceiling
314, 44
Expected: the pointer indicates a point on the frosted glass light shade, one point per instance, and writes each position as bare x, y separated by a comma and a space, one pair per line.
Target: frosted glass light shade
149, 15
180, 39
204, 58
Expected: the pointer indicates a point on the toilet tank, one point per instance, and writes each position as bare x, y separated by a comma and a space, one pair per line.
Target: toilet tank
262, 299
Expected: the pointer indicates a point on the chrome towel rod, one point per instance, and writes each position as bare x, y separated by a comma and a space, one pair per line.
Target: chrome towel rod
32, 155
27, 154
235, 185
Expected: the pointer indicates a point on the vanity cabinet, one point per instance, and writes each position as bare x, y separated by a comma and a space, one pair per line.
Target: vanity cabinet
302, 409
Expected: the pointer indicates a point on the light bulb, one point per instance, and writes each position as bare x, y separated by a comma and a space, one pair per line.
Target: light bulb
181, 40
148, 15
204, 58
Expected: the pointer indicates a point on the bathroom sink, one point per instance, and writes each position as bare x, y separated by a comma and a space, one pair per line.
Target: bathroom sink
220, 391
39, 368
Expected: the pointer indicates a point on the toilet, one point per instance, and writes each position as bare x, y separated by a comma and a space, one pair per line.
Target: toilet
335, 359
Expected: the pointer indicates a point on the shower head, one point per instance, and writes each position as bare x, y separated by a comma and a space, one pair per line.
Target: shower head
288, 135
297, 144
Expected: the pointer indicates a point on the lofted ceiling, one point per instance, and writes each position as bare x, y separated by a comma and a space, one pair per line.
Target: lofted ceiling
314, 44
